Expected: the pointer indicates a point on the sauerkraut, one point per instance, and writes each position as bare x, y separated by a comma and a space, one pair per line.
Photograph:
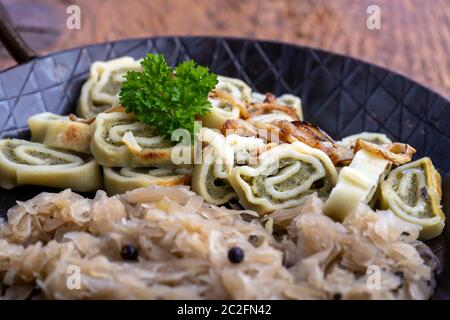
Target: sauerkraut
183, 246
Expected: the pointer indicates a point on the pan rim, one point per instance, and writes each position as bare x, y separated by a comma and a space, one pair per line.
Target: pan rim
239, 38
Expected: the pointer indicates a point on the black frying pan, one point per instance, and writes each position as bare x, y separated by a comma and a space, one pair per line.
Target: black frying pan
340, 94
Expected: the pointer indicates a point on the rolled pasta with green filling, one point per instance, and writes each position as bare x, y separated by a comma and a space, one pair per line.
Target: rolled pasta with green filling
100, 91
283, 177
374, 137
29, 163
292, 101
413, 193
118, 140
60, 132
228, 101
210, 178
121, 180
235, 87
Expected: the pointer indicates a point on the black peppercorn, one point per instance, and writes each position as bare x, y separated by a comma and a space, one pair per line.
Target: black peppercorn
235, 255
337, 296
129, 252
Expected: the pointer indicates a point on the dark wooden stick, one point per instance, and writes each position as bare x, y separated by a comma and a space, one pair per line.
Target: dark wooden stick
12, 40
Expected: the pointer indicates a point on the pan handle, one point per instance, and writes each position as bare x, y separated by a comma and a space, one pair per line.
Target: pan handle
12, 40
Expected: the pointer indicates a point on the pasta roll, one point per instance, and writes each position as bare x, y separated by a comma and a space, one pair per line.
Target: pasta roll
228, 102
60, 132
121, 180
292, 101
285, 100
235, 87
118, 140
210, 179
100, 91
413, 192
374, 137
29, 163
356, 183
283, 177
258, 97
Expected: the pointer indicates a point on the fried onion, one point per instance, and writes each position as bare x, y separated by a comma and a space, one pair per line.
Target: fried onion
398, 153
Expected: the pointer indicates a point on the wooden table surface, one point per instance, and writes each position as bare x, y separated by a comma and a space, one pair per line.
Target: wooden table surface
414, 38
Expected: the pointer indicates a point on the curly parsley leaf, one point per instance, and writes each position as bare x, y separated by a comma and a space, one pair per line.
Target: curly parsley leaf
167, 99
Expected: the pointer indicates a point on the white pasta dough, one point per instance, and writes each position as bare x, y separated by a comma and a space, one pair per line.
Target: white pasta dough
60, 132
356, 183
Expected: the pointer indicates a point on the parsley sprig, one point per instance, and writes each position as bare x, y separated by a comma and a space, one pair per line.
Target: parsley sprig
167, 99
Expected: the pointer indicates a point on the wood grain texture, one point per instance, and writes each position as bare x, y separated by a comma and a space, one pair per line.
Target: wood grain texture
414, 39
